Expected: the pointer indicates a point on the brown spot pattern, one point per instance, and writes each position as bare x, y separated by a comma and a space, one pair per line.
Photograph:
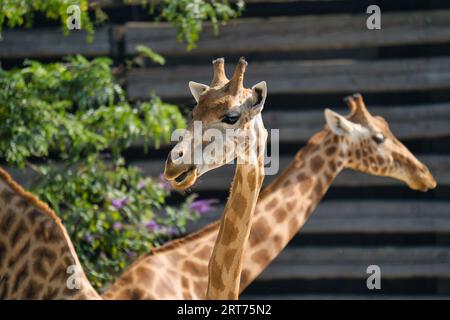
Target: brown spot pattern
290, 205
280, 214
259, 231
200, 289
33, 290
7, 196
365, 163
272, 204
137, 294
216, 282
43, 255
245, 277
194, 268
58, 274
380, 160
330, 151
332, 165
278, 242
51, 293
21, 275
20, 231
2, 253
239, 204
305, 183
35, 214
229, 233
251, 179
185, 282
316, 163
7, 222
293, 225
145, 274
229, 258
204, 253
4, 287
318, 188
261, 257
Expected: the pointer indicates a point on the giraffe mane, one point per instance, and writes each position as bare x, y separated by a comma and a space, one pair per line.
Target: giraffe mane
28, 196
174, 244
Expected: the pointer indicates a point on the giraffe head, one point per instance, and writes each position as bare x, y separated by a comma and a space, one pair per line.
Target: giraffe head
368, 145
225, 112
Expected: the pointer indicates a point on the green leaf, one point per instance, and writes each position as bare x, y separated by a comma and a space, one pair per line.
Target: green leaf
150, 54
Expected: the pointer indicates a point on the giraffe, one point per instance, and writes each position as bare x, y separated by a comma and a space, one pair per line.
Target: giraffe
359, 141
37, 258
225, 106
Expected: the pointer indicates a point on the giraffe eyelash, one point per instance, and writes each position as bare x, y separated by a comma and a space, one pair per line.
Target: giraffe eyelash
231, 118
378, 138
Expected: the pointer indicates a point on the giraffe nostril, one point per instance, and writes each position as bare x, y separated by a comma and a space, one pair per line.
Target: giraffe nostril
175, 156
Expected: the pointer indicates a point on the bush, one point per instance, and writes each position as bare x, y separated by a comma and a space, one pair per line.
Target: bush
74, 120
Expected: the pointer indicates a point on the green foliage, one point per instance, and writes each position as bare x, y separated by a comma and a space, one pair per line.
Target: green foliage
111, 212
150, 54
144, 53
76, 119
17, 13
74, 109
186, 15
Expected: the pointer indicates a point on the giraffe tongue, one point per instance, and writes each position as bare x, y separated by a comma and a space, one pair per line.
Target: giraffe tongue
182, 176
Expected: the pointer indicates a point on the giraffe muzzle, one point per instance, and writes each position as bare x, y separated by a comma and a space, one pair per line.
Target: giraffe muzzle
182, 179
424, 182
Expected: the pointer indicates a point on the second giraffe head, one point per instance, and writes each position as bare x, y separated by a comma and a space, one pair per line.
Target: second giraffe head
366, 143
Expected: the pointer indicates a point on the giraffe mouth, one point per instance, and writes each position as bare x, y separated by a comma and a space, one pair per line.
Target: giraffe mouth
423, 187
423, 181
185, 179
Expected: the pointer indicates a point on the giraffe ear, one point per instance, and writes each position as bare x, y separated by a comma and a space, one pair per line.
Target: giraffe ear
337, 123
197, 89
259, 95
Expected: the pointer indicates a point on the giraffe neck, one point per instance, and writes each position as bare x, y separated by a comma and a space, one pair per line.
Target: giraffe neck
37, 259
225, 264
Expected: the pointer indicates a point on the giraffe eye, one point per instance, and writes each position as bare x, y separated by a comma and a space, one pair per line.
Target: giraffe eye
231, 118
378, 138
